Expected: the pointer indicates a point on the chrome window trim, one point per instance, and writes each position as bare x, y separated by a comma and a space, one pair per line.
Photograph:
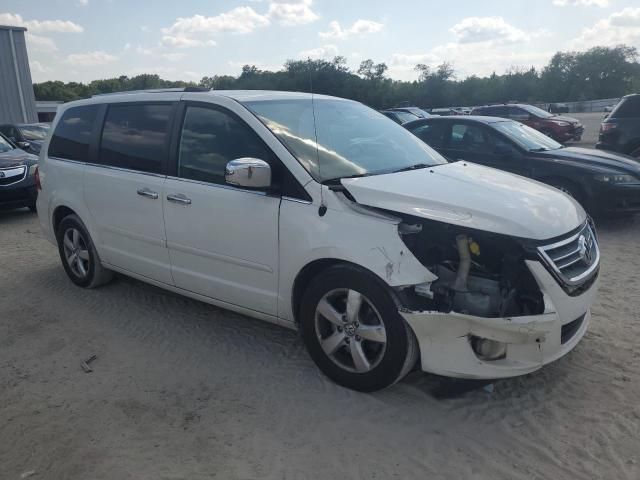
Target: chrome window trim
296, 200
573, 281
218, 185
22, 174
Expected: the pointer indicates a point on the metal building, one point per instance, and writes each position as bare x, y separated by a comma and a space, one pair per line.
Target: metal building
17, 101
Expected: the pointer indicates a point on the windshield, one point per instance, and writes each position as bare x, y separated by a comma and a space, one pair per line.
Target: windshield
528, 138
5, 146
34, 132
538, 112
352, 140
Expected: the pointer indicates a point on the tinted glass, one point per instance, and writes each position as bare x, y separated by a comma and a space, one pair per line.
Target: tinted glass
5, 146
339, 138
538, 112
72, 135
518, 114
628, 107
212, 138
34, 132
135, 137
470, 138
430, 133
527, 137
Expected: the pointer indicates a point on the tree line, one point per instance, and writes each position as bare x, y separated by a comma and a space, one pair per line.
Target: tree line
601, 72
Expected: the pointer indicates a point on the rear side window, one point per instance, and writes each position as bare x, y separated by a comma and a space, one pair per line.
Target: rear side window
431, 133
72, 135
135, 137
469, 138
212, 138
628, 107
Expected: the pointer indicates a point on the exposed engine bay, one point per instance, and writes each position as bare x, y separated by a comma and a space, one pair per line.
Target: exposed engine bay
479, 273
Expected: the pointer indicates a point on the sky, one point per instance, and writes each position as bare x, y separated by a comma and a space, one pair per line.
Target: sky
84, 40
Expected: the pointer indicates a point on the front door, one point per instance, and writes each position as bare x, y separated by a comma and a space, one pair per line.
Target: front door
223, 240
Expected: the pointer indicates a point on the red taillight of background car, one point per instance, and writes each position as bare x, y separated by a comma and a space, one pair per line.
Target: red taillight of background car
37, 179
607, 127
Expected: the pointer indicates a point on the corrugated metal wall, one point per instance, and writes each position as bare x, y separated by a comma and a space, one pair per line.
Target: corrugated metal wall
17, 102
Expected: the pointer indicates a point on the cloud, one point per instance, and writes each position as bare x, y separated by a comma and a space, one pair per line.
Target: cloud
359, 27
238, 20
292, 13
620, 27
40, 44
325, 51
82, 3
181, 41
37, 67
581, 3
173, 57
485, 29
40, 26
91, 58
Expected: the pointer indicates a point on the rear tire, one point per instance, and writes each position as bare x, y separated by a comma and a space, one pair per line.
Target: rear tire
33, 208
352, 329
78, 254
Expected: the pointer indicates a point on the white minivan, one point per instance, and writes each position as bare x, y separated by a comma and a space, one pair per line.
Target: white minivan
321, 214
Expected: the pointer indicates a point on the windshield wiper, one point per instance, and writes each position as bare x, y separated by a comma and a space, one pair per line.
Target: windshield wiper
417, 166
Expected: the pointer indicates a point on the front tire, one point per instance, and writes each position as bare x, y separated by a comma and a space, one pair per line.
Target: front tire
78, 254
352, 329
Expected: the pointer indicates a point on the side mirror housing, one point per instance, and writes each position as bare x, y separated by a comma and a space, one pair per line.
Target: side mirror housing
24, 144
248, 173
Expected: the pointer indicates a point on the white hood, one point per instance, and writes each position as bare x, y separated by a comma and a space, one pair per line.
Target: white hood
473, 196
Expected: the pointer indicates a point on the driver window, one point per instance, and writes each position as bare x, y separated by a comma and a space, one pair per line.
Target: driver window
518, 114
500, 146
210, 139
470, 138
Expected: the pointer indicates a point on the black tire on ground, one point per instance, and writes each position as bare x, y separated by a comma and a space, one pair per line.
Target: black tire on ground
96, 275
33, 208
401, 349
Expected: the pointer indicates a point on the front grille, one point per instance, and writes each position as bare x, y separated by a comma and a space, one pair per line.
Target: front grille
570, 329
9, 176
574, 260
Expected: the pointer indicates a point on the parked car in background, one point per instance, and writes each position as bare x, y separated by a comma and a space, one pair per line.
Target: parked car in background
445, 111
17, 177
27, 136
418, 112
620, 131
320, 214
399, 116
602, 182
558, 108
560, 128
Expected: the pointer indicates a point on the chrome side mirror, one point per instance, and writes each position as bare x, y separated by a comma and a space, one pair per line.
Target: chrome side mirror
248, 173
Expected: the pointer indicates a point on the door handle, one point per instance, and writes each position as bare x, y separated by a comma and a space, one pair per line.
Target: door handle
179, 198
145, 192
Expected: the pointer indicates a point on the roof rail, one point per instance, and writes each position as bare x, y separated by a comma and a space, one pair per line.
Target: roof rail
156, 90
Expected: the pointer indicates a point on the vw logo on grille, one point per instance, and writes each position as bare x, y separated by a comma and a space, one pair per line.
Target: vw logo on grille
584, 249
2, 175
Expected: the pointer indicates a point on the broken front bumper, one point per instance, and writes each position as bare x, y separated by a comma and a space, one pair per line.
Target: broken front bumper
532, 341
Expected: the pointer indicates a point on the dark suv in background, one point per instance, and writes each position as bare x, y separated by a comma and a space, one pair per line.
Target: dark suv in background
560, 128
620, 131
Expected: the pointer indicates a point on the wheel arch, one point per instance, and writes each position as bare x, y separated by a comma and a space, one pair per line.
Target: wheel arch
314, 268
59, 213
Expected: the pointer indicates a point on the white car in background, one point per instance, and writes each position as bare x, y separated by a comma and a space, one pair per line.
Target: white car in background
321, 214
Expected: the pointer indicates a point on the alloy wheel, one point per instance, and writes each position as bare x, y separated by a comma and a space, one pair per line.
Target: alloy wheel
350, 330
76, 252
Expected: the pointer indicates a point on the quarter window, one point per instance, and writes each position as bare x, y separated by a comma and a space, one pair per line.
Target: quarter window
72, 135
212, 138
135, 137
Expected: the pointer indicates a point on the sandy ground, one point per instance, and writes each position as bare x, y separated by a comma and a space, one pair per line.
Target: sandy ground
183, 390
